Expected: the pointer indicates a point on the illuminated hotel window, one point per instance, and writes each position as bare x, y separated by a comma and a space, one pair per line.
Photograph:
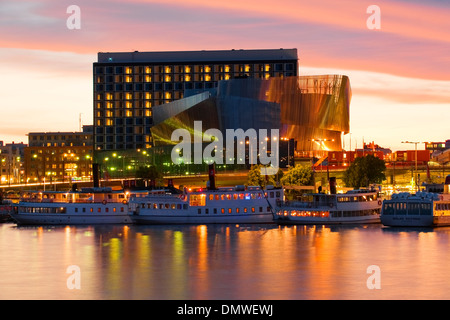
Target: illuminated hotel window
148, 78
148, 104
128, 70
227, 77
128, 96
109, 96
148, 95
128, 79
267, 67
207, 77
167, 78
147, 69
187, 78
129, 113
167, 69
207, 69
109, 122
247, 68
227, 68
128, 105
187, 69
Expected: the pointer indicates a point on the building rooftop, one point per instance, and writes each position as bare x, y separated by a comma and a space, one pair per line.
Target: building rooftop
197, 56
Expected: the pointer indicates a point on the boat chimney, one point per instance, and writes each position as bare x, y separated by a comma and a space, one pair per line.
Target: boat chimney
95, 175
332, 185
212, 176
447, 184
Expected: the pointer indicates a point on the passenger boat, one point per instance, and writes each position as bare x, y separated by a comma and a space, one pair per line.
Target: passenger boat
422, 209
87, 206
352, 207
205, 206
209, 205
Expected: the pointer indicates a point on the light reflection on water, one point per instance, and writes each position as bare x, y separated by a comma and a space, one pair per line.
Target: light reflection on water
223, 262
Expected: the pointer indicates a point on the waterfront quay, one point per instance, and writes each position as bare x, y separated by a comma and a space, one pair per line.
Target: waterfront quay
399, 177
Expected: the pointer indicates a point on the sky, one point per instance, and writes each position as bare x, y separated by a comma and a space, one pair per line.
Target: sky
399, 73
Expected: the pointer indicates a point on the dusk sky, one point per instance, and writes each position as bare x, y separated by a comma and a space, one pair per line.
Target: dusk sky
399, 74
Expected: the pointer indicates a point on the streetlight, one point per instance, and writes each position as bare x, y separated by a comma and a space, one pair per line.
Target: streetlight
415, 175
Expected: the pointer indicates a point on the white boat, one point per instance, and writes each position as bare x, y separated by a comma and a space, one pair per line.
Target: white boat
353, 207
207, 206
422, 209
88, 206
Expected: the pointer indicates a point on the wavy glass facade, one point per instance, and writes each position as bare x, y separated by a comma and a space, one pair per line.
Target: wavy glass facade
312, 110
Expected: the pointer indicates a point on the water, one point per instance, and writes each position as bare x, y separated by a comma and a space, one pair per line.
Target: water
223, 262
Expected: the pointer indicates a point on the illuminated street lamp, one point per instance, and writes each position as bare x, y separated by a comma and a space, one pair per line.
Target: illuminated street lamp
415, 175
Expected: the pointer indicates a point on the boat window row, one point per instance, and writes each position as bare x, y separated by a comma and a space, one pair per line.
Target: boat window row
42, 209
327, 214
232, 210
100, 210
407, 208
244, 196
442, 206
363, 198
172, 206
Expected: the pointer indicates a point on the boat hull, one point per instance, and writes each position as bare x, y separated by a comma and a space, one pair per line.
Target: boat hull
288, 220
212, 219
49, 219
414, 221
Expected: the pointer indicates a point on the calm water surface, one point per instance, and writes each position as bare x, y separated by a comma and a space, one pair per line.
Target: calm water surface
223, 262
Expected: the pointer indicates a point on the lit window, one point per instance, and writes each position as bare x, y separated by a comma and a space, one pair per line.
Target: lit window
207, 77
187, 78
128, 70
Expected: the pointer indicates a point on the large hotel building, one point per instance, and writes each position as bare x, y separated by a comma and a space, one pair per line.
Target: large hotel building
127, 85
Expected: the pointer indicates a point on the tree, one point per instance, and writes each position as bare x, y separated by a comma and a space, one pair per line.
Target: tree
364, 171
148, 173
255, 178
298, 176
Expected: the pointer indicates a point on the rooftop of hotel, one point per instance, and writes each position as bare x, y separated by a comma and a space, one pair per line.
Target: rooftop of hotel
198, 56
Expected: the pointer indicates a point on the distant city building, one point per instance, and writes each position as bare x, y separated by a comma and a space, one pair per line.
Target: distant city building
11, 162
59, 156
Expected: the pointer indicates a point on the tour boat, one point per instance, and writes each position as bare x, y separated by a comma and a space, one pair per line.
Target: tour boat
352, 207
422, 209
206, 206
87, 206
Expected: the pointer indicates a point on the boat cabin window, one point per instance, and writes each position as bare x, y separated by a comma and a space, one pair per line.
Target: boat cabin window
198, 199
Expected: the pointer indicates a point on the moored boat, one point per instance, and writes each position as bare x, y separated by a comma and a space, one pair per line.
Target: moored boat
87, 206
422, 209
207, 206
352, 207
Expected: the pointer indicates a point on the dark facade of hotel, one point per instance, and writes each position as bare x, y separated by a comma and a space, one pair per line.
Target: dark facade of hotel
141, 97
